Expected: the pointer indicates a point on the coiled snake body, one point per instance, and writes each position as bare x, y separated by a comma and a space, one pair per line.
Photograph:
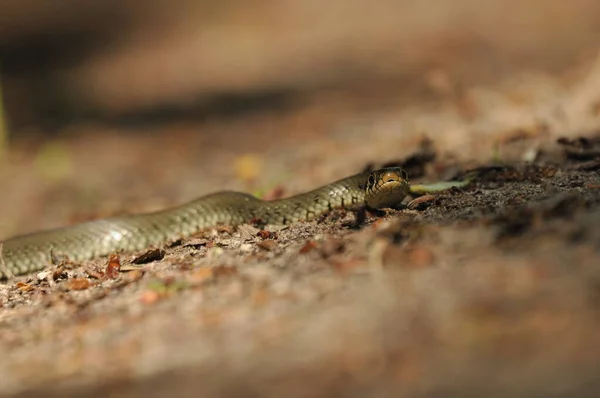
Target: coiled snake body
33, 252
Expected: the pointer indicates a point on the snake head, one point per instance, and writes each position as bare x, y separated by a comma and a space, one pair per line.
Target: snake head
386, 188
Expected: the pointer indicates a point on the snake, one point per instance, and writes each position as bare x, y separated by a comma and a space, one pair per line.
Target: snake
379, 189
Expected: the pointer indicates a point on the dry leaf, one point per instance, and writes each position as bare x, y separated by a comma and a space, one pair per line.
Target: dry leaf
58, 272
78, 284
149, 256
268, 244
113, 267
24, 287
94, 274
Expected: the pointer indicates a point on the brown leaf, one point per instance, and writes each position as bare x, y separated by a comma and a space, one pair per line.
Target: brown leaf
94, 274
268, 244
78, 284
421, 202
149, 256
113, 267
58, 272
129, 267
25, 287
310, 245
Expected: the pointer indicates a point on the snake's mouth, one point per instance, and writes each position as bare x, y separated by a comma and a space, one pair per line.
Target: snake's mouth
386, 188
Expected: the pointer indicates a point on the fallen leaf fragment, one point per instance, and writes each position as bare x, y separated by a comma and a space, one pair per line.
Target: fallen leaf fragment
129, 268
58, 273
25, 287
78, 284
419, 203
113, 267
268, 244
94, 274
149, 256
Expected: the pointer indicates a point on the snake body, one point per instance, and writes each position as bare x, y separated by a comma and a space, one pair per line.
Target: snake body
33, 252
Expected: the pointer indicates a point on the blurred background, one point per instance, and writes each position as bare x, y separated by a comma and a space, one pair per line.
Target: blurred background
133, 61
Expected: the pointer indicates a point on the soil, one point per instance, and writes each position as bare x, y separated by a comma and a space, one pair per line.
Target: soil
490, 290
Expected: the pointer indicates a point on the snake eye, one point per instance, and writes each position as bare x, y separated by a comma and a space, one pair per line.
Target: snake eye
371, 180
404, 174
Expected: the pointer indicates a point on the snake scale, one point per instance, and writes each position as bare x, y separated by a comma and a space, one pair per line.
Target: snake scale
33, 252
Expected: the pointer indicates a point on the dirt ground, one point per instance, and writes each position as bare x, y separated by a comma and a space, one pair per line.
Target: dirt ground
490, 290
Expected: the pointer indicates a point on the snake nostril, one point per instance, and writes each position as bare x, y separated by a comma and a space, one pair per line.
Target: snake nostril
390, 180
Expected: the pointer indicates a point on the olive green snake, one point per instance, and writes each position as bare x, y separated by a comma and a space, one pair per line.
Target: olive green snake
378, 189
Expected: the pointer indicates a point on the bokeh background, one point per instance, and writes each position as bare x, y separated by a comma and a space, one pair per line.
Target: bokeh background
67, 62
